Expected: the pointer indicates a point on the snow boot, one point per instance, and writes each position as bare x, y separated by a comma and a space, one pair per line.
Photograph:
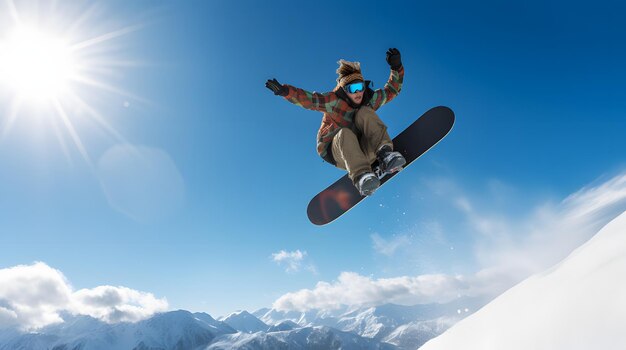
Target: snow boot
390, 161
367, 184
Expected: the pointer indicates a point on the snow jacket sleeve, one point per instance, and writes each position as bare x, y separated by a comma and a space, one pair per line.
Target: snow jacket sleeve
390, 91
323, 102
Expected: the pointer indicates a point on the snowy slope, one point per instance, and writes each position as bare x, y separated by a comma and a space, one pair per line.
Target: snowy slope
303, 338
309, 318
283, 326
578, 304
245, 322
378, 322
415, 334
217, 326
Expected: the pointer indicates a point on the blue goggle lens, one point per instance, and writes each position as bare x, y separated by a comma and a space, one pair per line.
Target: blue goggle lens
355, 87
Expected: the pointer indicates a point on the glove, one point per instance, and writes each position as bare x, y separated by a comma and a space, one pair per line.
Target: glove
393, 58
277, 88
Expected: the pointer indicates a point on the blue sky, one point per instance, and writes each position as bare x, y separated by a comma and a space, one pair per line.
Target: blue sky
212, 173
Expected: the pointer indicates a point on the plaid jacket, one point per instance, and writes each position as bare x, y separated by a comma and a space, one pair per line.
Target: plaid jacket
339, 110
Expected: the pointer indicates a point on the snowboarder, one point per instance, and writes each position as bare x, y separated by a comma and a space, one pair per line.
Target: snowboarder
352, 136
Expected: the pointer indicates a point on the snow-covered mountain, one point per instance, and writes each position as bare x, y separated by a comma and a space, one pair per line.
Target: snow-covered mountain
383, 327
283, 326
172, 330
378, 322
415, 334
309, 318
181, 330
303, 338
578, 304
404, 326
244, 322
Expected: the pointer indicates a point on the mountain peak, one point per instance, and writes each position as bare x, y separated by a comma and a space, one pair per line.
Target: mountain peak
243, 321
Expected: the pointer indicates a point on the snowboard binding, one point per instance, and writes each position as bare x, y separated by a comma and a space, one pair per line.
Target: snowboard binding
382, 173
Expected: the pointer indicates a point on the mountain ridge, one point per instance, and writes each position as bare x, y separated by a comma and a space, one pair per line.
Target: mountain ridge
346, 328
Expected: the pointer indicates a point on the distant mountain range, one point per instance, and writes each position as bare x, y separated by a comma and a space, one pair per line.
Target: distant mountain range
382, 327
406, 327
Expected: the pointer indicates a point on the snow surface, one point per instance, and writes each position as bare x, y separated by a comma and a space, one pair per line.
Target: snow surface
578, 304
415, 334
303, 338
283, 326
245, 322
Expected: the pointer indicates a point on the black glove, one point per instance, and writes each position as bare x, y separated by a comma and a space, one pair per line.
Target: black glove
393, 58
276, 87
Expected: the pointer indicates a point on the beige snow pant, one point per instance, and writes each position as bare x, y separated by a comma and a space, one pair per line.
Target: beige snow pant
355, 154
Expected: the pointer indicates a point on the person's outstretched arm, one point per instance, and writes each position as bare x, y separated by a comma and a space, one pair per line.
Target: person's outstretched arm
323, 102
394, 85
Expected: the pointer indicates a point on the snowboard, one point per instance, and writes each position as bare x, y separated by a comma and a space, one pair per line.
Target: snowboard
414, 141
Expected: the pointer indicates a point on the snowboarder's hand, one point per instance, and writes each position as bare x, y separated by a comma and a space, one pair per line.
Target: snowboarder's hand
276, 87
393, 58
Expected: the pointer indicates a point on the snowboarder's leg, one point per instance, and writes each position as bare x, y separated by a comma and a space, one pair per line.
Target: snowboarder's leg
375, 141
348, 154
373, 132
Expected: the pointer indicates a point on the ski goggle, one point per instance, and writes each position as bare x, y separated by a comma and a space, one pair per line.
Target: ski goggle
355, 87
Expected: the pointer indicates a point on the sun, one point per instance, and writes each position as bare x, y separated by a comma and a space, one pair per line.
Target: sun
54, 67
36, 65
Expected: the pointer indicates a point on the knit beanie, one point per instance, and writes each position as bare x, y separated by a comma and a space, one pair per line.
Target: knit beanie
348, 72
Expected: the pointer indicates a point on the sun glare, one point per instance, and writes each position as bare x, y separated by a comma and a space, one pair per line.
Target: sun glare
36, 65
54, 68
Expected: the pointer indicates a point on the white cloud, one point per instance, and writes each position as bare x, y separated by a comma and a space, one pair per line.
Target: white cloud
293, 261
354, 289
527, 244
7, 317
508, 247
33, 296
117, 304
